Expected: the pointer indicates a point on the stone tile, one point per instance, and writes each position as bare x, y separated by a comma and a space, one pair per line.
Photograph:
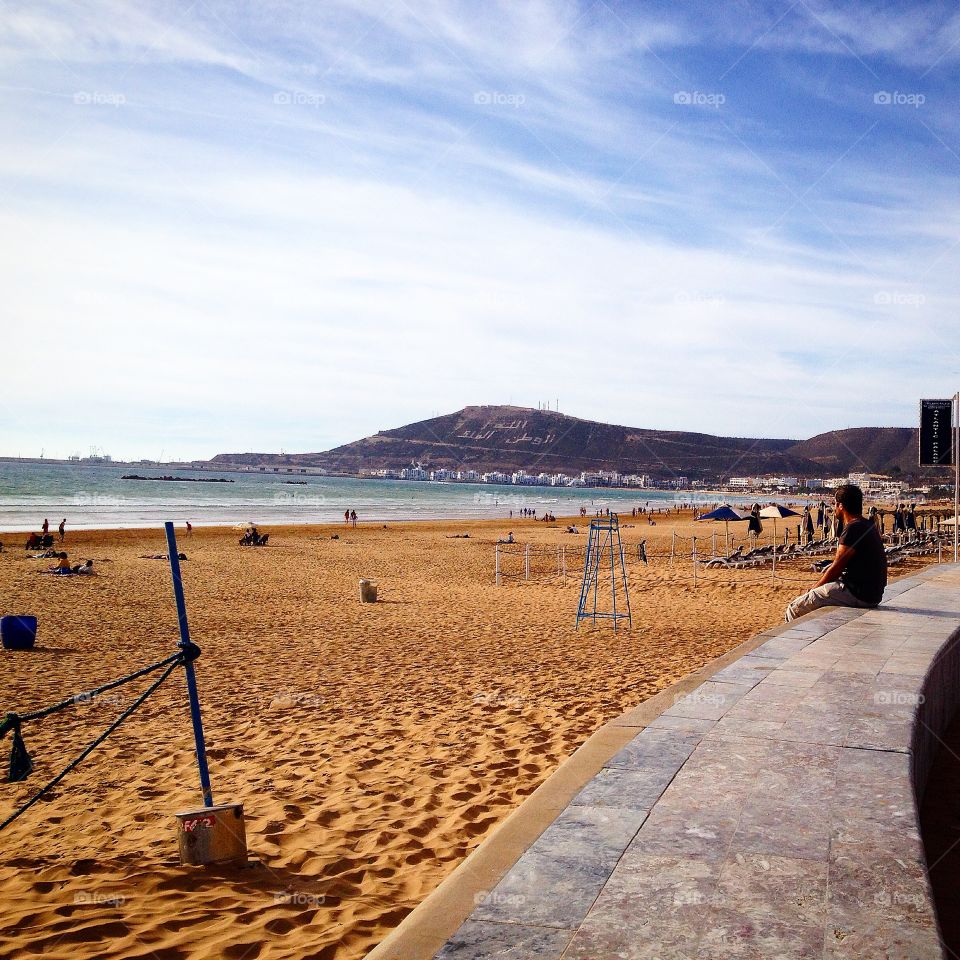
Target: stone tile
738, 673
651, 909
736, 935
687, 828
749, 728
888, 880
774, 694
544, 891
907, 666
710, 701
770, 826
628, 789
655, 749
777, 888
795, 679
481, 940
590, 833
687, 725
782, 648
878, 733
859, 934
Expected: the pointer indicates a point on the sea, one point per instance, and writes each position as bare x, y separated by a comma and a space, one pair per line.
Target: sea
96, 496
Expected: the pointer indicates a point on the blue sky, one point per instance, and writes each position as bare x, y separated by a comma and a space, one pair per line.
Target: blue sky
286, 226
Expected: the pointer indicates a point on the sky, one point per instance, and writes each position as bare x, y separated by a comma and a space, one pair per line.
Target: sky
284, 226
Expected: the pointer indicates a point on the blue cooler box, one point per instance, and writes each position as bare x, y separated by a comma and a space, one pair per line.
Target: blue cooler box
18, 633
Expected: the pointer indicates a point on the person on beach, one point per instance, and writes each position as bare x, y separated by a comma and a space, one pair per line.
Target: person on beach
62, 528
189, 528
857, 576
353, 517
910, 521
346, 516
46, 526
62, 565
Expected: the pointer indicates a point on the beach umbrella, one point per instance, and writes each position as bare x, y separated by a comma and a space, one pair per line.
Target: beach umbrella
726, 513
773, 512
777, 511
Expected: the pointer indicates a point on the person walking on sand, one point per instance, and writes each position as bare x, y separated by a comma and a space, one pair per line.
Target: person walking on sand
189, 529
46, 526
353, 517
61, 528
857, 576
346, 516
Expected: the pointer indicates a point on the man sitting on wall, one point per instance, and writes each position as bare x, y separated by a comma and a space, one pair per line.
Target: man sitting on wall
858, 574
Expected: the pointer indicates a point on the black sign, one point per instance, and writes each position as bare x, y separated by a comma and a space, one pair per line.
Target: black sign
936, 433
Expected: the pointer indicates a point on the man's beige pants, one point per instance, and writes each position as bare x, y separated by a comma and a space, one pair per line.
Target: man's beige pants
829, 595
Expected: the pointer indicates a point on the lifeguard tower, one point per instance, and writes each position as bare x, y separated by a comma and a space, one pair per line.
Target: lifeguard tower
604, 557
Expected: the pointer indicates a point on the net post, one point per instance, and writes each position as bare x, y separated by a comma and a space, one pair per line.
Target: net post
184, 644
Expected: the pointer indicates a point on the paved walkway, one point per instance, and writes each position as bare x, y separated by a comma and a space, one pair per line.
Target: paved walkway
769, 813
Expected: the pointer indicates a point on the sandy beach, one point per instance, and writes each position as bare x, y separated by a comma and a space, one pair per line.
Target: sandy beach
373, 745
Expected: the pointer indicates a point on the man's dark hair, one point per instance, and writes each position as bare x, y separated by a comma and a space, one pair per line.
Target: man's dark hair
850, 497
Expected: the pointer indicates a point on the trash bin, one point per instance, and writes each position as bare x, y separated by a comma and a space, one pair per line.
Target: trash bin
20, 633
368, 591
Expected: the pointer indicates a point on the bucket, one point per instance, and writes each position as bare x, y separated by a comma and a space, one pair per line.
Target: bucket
368, 591
19, 633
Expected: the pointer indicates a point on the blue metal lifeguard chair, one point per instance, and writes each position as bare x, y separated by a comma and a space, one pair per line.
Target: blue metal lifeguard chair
604, 552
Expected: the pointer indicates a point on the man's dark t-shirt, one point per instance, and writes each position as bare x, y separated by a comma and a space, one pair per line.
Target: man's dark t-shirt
865, 575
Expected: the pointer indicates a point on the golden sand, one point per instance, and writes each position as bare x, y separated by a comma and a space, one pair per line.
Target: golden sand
373, 745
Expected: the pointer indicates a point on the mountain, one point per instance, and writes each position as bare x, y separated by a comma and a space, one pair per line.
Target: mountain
506, 438
509, 438
863, 450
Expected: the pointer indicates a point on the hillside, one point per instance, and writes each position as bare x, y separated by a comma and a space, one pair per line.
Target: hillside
511, 438
862, 450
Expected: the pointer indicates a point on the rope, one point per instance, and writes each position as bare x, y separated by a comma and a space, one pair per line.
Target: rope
90, 694
173, 662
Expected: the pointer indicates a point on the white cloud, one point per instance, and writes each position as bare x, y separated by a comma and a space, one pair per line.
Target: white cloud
243, 273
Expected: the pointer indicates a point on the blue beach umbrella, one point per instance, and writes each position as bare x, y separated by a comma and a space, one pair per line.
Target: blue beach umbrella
726, 513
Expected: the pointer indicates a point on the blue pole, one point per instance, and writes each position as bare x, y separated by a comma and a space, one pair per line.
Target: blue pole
185, 644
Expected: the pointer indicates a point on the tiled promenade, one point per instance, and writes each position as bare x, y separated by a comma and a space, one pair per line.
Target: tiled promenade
770, 813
